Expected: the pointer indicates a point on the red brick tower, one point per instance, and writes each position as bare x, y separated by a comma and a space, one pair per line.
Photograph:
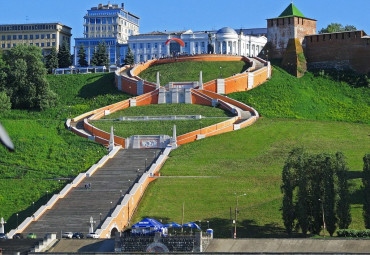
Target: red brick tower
291, 24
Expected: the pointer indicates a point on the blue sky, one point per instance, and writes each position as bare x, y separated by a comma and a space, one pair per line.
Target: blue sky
170, 15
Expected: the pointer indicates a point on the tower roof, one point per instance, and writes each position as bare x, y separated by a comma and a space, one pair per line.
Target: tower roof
291, 11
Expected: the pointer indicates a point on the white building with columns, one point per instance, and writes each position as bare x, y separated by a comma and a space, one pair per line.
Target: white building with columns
245, 42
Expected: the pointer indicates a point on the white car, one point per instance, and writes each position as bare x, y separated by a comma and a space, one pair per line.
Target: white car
67, 235
92, 235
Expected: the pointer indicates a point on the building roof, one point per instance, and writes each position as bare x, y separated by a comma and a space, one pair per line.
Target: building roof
226, 30
291, 11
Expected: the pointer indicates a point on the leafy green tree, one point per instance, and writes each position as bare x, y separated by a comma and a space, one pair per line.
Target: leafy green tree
329, 195
302, 197
82, 56
3, 74
52, 61
129, 58
343, 204
337, 27
288, 179
28, 87
64, 55
315, 172
100, 56
5, 104
366, 183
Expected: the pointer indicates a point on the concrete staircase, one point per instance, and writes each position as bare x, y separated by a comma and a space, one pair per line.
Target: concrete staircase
108, 185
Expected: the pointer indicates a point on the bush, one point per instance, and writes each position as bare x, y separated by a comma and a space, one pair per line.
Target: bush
353, 233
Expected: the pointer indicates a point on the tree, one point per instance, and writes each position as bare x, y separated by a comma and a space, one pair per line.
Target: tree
28, 87
5, 104
366, 183
64, 55
343, 205
82, 56
337, 27
3, 73
52, 61
329, 195
302, 197
129, 58
287, 189
100, 56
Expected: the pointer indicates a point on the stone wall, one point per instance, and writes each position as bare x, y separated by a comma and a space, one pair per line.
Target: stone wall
346, 50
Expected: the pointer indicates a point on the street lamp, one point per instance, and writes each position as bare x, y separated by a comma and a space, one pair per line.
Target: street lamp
220, 72
100, 218
323, 215
33, 207
236, 210
17, 220
145, 163
47, 196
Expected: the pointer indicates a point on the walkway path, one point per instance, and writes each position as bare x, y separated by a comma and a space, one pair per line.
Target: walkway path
108, 184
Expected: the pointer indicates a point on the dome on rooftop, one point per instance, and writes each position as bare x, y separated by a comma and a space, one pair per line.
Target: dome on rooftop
226, 30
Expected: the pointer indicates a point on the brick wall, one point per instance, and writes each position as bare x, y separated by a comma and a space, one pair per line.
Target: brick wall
339, 50
280, 30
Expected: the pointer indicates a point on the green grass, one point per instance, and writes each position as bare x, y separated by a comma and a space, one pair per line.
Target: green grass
189, 71
248, 161
170, 109
45, 150
310, 97
129, 128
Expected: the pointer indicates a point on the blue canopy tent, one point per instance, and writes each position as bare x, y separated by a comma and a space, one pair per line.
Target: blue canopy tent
191, 225
148, 226
173, 225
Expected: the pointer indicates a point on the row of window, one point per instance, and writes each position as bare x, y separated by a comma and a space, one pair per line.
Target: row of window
27, 27
27, 37
9, 45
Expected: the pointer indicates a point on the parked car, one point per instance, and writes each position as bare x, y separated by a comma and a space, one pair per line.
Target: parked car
31, 236
92, 235
18, 236
67, 235
78, 235
3, 236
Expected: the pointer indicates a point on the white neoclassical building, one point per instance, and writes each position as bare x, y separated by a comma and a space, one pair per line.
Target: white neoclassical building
245, 42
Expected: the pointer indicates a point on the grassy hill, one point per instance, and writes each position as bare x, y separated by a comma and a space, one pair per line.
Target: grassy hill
251, 160
129, 128
310, 97
47, 155
189, 71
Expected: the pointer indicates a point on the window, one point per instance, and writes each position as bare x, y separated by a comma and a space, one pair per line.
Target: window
48, 44
156, 45
196, 45
3, 45
203, 44
8, 45
9, 37
37, 44
134, 46
14, 37
141, 45
53, 43
14, 45
53, 36
42, 36
42, 44
104, 20
37, 36
25, 37
148, 46
48, 36
3, 38
98, 21
31, 37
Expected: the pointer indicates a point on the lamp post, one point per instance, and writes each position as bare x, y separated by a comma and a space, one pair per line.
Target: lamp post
111, 206
17, 220
145, 163
33, 207
323, 215
236, 210
100, 217
47, 196
220, 72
